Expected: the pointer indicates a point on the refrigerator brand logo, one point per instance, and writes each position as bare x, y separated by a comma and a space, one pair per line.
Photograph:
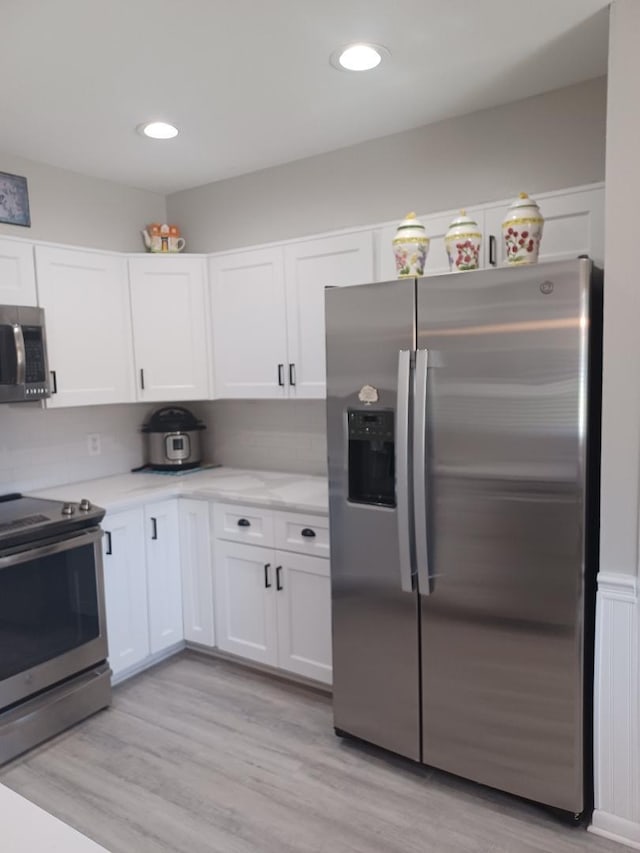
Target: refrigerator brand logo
368, 394
546, 287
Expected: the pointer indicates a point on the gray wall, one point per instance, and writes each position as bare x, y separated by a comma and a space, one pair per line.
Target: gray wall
543, 143
70, 208
621, 388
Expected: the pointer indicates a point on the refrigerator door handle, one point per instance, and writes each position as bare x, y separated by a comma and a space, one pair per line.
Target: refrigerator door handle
403, 497
420, 502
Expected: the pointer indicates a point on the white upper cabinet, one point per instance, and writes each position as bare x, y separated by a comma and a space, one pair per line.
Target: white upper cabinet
249, 330
574, 225
85, 296
310, 266
436, 227
17, 273
169, 312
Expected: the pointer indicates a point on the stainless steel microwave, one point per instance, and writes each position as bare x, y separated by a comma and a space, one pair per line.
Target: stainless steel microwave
24, 369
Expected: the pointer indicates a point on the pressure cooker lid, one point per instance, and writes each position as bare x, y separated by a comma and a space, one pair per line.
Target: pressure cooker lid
172, 419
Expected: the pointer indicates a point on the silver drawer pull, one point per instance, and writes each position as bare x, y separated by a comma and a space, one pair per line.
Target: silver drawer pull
308, 533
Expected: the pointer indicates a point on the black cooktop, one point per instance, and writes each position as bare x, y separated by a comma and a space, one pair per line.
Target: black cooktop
24, 520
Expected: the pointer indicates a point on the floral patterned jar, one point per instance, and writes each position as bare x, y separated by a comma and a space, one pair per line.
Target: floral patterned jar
410, 246
522, 231
462, 242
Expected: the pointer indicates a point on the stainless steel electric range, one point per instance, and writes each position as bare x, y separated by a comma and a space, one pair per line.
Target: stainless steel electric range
53, 640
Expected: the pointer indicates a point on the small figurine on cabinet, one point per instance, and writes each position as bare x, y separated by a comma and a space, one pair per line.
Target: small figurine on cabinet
163, 238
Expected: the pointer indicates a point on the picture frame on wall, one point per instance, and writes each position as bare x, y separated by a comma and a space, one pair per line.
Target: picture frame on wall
14, 200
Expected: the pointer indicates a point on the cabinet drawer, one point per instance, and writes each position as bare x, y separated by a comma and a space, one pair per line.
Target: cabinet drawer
246, 524
306, 534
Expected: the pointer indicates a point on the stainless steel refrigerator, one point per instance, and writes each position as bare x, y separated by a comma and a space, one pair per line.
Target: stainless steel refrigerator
463, 443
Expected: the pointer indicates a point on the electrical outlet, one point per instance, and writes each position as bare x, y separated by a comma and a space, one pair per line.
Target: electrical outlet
93, 443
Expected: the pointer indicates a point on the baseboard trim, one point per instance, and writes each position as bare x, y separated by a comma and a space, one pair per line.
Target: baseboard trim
616, 829
152, 660
274, 672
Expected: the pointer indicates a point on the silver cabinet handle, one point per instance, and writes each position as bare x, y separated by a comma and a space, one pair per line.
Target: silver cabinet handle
21, 354
403, 498
420, 500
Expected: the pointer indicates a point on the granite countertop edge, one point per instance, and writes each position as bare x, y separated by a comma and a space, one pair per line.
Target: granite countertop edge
269, 489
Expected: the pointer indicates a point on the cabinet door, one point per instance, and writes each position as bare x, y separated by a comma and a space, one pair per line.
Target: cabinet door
197, 580
164, 580
168, 305
436, 227
303, 595
85, 296
17, 273
125, 587
574, 225
245, 605
249, 329
311, 266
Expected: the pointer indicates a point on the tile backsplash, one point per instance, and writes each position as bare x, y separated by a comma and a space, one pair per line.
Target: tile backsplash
46, 447
276, 435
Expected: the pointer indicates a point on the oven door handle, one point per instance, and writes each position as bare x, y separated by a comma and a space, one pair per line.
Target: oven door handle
21, 354
66, 543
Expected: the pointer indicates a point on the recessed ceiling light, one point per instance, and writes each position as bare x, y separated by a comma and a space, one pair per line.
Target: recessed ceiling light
358, 57
158, 130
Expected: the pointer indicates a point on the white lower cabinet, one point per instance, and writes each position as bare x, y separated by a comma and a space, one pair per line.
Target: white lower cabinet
125, 588
303, 597
245, 606
271, 605
274, 607
197, 580
164, 579
143, 590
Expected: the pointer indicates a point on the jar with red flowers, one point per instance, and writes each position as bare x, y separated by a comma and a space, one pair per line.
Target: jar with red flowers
522, 231
463, 241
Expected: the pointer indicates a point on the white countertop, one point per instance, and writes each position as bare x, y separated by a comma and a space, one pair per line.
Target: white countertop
26, 828
264, 488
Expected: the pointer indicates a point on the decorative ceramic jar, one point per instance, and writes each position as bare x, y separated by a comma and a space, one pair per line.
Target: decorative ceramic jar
462, 242
410, 246
522, 231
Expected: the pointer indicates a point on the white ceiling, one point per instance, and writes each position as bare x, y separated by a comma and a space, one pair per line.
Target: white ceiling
249, 83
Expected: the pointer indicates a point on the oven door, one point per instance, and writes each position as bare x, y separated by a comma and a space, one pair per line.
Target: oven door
52, 618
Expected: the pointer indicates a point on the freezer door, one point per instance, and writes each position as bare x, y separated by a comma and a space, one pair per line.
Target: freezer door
370, 333
504, 478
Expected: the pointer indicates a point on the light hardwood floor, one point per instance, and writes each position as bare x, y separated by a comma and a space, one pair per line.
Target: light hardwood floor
200, 755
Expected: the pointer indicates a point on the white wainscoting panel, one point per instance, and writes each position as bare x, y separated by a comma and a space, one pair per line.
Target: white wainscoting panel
617, 710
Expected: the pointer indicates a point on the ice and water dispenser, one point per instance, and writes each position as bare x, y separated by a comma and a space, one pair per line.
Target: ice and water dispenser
371, 457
